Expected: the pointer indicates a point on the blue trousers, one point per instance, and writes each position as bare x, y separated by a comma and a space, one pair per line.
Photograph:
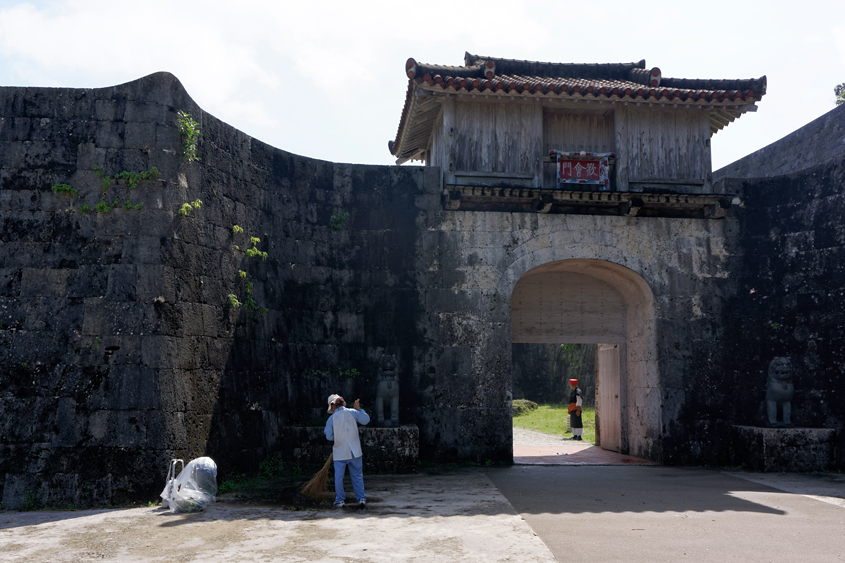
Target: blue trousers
356, 474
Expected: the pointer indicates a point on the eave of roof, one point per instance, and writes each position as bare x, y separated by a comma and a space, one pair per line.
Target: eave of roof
511, 79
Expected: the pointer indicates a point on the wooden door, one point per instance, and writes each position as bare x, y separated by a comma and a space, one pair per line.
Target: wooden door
609, 391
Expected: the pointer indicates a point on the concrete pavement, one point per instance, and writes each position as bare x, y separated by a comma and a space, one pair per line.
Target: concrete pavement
458, 516
663, 514
518, 514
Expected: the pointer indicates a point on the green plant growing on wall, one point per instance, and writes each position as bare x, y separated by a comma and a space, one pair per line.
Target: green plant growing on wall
105, 180
233, 300
250, 301
102, 207
135, 178
188, 207
571, 351
84, 208
253, 252
190, 131
127, 206
65, 189
248, 284
28, 502
132, 179
338, 220
139, 206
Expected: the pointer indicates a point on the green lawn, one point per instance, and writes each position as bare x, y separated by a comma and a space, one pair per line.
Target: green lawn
551, 419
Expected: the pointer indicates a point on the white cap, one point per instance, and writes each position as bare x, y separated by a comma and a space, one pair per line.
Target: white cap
332, 399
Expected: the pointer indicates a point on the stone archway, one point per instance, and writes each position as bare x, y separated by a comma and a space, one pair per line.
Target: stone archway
599, 302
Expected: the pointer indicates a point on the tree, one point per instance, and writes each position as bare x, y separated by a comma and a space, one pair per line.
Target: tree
839, 90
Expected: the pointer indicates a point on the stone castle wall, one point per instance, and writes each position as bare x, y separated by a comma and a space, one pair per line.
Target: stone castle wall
120, 347
791, 298
819, 142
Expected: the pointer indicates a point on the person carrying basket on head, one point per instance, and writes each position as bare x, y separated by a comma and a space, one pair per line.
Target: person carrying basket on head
575, 410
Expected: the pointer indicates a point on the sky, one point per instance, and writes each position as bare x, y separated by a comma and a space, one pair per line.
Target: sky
326, 79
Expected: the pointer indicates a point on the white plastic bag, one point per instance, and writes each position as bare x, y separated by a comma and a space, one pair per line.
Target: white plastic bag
193, 489
170, 484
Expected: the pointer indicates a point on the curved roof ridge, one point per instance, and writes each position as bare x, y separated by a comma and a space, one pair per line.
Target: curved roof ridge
557, 70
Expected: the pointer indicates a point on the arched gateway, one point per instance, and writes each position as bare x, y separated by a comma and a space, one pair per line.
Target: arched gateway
598, 302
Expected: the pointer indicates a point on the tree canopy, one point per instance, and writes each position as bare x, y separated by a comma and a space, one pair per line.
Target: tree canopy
839, 90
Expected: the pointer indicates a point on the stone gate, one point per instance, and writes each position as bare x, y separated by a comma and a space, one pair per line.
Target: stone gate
140, 320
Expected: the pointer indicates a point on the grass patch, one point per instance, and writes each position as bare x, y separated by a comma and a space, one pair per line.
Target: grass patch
551, 418
523, 406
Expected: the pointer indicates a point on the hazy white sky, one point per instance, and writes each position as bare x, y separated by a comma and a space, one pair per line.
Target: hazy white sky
326, 79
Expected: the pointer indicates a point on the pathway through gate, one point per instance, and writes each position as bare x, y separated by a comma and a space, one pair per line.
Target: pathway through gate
537, 448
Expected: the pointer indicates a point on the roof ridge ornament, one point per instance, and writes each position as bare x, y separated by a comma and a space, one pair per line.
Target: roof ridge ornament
647, 77
489, 69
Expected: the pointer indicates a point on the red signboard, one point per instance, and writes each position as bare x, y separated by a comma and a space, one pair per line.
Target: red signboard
583, 168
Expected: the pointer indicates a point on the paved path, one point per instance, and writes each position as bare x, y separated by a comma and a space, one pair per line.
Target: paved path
427, 518
533, 514
662, 514
537, 448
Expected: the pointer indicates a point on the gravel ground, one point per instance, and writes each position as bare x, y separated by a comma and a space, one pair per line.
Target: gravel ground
524, 437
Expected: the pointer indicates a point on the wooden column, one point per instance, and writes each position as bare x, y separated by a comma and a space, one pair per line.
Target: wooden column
622, 148
447, 139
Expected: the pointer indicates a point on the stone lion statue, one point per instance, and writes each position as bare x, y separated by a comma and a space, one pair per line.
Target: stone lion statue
388, 390
779, 391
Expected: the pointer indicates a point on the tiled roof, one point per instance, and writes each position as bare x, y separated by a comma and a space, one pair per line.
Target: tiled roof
612, 82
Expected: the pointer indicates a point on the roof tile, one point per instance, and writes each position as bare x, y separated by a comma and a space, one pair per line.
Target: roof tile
611, 81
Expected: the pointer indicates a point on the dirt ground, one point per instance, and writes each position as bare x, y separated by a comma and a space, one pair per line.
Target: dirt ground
430, 518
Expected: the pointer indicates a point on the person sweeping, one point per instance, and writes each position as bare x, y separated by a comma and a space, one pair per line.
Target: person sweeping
342, 429
575, 410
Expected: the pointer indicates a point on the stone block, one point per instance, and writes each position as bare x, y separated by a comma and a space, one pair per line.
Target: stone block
10, 281
168, 138
138, 250
88, 281
38, 349
783, 449
159, 352
61, 315
107, 317
110, 134
176, 397
70, 423
148, 112
116, 429
43, 282
154, 282
121, 284
192, 318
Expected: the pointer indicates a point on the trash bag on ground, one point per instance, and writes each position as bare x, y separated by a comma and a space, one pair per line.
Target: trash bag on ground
193, 489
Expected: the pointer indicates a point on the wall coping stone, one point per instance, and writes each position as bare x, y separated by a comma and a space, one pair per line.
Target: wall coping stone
783, 449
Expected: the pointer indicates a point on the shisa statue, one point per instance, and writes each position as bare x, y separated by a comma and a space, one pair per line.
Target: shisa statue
388, 390
779, 391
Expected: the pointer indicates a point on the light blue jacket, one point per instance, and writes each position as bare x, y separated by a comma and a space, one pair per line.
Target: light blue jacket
342, 429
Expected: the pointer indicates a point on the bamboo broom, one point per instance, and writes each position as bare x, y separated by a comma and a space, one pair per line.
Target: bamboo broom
315, 488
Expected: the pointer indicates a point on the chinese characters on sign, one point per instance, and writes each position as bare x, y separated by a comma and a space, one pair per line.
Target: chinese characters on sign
583, 168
